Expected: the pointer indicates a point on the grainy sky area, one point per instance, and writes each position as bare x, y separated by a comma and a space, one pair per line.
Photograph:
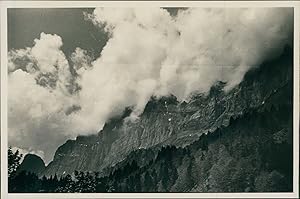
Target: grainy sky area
25, 25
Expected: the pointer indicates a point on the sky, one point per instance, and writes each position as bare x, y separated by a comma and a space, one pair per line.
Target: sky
71, 70
25, 25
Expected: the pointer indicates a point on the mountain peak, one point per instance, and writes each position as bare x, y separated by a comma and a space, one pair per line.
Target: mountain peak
32, 163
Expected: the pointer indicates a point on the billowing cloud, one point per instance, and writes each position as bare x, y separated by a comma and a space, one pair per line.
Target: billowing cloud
38, 96
149, 53
81, 60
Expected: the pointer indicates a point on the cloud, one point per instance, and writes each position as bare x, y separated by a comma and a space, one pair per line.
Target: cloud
149, 53
81, 60
38, 96
24, 152
178, 55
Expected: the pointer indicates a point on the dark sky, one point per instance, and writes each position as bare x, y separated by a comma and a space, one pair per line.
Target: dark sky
24, 25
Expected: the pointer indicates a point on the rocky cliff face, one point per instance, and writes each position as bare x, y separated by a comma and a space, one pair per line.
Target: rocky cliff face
254, 153
166, 121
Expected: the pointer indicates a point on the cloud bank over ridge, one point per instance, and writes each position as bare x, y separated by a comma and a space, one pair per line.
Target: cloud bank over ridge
149, 53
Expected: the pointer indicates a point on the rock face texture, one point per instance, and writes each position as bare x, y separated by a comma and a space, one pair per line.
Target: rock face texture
254, 153
33, 164
166, 121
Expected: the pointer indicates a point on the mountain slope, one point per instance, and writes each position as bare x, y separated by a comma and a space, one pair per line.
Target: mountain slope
168, 122
33, 164
254, 153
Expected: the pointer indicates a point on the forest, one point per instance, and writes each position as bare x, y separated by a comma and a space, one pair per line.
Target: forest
252, 154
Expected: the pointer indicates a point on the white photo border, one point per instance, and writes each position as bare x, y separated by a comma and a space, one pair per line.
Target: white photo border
4, 5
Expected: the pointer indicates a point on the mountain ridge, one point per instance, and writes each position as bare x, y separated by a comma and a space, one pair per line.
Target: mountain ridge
172, 123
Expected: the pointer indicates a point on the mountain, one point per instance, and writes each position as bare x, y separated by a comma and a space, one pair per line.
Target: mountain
167, 122
33, 164
254, 153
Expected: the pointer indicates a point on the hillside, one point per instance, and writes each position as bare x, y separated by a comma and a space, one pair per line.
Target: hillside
252, 154
250, 117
